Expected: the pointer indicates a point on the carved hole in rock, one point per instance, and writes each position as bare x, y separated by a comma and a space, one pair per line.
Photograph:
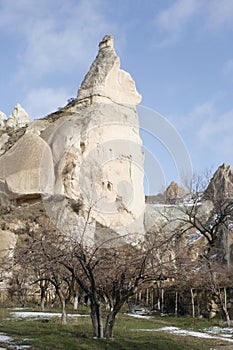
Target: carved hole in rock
82, 146
77, 205
109, 186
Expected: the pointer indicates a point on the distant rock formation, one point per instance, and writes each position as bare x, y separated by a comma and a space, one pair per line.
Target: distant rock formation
221, 184
175, 193
172, 195
18, 118
13, 128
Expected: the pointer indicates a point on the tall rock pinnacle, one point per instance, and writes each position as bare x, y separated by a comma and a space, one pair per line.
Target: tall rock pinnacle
106, 81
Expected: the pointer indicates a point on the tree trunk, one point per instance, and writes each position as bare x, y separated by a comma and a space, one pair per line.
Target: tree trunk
20, 294
42, 304
75, 302
225, 297
96, 319
64, 318
111, 318
147, 296
108, 332
176, 304
193, 304
223, 305
162, 300
140, 296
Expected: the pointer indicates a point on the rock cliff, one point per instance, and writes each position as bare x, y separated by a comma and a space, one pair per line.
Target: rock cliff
88, 152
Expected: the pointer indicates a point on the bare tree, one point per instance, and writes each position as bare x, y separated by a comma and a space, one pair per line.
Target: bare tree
206, 220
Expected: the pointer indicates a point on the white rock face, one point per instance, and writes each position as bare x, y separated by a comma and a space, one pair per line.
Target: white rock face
26, 168
106, 82
96, 148
101, 164
89, 153
2, 120
3, 140
18, 118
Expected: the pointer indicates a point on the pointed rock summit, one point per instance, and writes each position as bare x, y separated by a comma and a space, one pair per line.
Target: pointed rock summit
221, 184
174, 192
92, 151
18, 118
105, 81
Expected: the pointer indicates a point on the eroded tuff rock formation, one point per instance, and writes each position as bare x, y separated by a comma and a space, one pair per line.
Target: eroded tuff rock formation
85, 160
18, 118
221, 184
89, 152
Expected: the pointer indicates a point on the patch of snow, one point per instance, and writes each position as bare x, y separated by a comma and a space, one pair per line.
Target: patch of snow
194, 237
17, 308
138, 316
183, 332
219, 330
5, 338
38, 315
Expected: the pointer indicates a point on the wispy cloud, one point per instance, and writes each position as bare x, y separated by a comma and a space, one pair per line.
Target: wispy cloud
195, 117
173, 20
219, 14
207, 131
212, 130
52, 42
55, 43
204, 18
39, 101
216, 132
62, 44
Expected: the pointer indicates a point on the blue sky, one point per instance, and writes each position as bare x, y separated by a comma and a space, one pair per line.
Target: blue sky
179, 52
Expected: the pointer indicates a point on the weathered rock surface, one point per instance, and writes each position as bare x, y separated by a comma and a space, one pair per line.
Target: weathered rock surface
175, 193
88, 152
26, 170
2, 120
106, 81
101, 162
7, 243
3, 140
86, 160
18, 118
221, 184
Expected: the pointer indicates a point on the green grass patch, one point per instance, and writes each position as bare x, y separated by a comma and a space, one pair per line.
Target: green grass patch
129, 334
